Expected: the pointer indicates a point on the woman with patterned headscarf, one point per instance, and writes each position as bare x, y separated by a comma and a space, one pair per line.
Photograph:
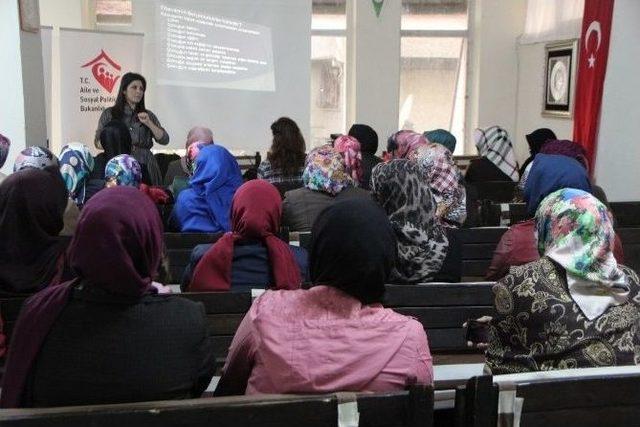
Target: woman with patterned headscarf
404, 144
445, 181
125, 170
498, 161
442, 137
34, 157
5, 143
326, 179
76, 164
575, 307
399, 188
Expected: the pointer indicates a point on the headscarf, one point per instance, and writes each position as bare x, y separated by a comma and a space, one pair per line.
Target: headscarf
404, 143
326, 171
349, 147
342, 258
550, 173
5, 143
538, 138
576, 231
400, 189
117, 246
494, 144
205, 205
76, 164
366, 136
255, 214
442, 137
192, 152
567, 148
124, 170
34, 157
32, 204
436, 162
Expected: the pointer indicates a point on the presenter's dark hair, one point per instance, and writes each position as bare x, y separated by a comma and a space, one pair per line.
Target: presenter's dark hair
117, 111
287, 151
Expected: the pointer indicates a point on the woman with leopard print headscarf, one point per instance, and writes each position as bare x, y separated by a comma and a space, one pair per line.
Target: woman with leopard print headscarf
400, 189
575, 307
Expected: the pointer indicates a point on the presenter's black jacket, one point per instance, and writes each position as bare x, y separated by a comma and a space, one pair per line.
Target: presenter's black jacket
109, 349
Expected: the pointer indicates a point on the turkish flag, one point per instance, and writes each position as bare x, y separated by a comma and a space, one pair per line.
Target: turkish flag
592, 67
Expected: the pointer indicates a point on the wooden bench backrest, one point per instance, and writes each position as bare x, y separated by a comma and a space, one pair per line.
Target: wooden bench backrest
581, 402
412, 408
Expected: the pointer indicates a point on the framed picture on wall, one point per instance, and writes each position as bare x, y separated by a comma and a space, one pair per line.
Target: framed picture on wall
560, 79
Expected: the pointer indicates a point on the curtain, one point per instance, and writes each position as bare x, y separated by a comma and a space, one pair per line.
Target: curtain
552, 20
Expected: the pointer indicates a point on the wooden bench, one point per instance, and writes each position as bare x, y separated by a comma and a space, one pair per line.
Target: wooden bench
412, 408
627, 214
568, 398
630, 238
178, 249
441, 308
496, 191
502, 214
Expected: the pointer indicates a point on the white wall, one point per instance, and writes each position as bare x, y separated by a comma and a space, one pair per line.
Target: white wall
62, 13
618, 152
493, 65
12, 123
531, 75
373, 70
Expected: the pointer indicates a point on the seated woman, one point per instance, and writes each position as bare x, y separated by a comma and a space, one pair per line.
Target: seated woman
5, 144
34, 157
125, 170
107, 337
204, 207
327, 179
498, 161
446, 183
76, 165
404, 144
518, 244
399, 188
368, 139
285, 159
335, 336
251, 255
536, 140
32, 204
442, 137
573, 308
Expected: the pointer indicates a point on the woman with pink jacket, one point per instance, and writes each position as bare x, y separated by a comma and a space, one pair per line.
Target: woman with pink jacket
336, 336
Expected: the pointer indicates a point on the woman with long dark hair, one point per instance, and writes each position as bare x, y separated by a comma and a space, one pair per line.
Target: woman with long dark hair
285, 159
143, 125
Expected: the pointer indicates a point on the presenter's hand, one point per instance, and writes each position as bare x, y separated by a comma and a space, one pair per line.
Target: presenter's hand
144, 119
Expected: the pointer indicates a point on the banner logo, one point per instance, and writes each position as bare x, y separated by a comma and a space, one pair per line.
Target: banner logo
105, 70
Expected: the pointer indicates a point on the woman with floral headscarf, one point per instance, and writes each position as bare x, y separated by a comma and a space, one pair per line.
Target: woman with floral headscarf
5, 143
327, 178
125, 170
575, 307
399, 188
498, 161
34, 157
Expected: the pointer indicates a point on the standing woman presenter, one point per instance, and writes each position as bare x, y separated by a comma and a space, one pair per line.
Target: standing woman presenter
142, 123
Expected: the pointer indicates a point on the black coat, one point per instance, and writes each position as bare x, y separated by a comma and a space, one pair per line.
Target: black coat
110, 349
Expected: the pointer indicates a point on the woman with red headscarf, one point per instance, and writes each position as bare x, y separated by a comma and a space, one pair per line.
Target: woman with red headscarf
251, 255
107, 337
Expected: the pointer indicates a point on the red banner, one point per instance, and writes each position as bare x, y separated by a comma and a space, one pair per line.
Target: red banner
592, 67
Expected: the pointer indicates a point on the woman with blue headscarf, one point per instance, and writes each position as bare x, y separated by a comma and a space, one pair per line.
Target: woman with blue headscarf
548, 174
205, 206
76, 165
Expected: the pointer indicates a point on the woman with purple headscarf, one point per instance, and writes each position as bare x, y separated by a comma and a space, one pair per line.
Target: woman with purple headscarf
107, 337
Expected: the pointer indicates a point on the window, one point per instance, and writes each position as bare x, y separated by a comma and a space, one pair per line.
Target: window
433, 66
328, 66
112, 12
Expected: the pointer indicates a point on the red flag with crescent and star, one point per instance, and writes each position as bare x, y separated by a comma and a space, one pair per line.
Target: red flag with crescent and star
592, 67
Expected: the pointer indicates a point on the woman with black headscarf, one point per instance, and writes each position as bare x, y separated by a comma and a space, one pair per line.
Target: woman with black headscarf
335, 336
368, 139
536, 140
107, 337
32, 204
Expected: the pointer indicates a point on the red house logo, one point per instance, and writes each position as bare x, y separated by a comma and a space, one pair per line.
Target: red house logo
105, 70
